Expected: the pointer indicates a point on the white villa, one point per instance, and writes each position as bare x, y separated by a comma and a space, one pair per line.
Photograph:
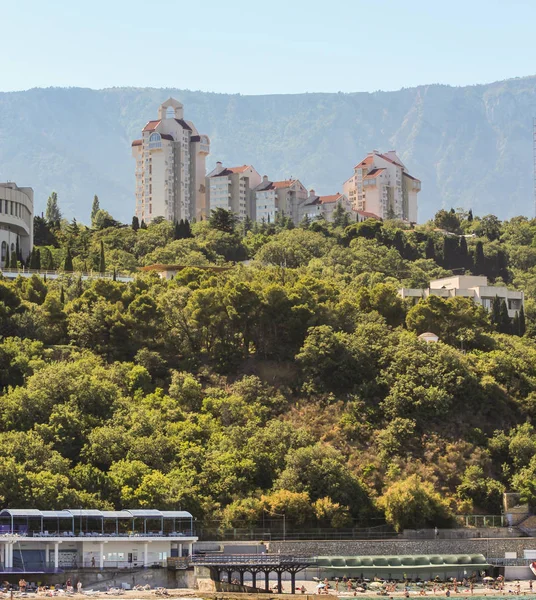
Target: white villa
44, 541
469, 286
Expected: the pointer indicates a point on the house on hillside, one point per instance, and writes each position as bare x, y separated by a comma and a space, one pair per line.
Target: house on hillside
469, 286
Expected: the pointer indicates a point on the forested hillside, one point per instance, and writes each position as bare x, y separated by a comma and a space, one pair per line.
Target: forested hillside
293, 383
470, 146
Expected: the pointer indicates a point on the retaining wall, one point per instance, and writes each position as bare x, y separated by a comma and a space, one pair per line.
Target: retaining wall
489, 547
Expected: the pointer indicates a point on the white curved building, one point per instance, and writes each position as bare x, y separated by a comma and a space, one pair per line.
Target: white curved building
16, 220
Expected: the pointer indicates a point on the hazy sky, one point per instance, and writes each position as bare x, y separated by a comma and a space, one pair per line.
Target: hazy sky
277, 46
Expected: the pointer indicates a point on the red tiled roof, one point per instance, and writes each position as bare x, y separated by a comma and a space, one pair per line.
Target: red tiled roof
238, 169
365, 163
137, 142
368, 214
373, 173
329, 199
151, 125
283, 184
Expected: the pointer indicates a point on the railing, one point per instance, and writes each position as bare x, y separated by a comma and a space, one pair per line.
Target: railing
277, 533
251, 559
511, 562
96, 534
55, 273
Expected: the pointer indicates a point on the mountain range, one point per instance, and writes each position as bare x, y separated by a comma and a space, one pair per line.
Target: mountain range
471, 147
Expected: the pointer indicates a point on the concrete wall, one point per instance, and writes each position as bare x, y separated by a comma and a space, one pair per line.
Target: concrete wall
101, 580
493, 548
513, 573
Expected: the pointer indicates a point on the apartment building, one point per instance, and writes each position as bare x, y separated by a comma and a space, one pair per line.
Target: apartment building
323, 206
284, 197
16, 221
382, 185
170, 167
232, 188
469, 286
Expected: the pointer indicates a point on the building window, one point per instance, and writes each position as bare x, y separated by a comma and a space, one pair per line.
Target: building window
155, 141
170, 112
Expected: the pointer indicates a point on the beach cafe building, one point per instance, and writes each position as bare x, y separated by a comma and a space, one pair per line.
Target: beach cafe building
40, 541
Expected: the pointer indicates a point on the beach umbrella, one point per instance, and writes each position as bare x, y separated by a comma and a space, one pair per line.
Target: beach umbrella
488, 579
320, 585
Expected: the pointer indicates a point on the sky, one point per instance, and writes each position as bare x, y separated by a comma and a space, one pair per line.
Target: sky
273, 47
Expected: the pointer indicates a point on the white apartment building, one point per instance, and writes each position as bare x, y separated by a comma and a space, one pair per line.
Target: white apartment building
381, 185
284, 197
16, 220
170, 167
323, 206
469, 286
232, 188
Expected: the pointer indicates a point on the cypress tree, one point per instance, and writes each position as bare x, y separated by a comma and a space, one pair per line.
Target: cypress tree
13, 261
470, 215
47, 262
17, 250
188, 230
496, 312
505, 324
7, 261
398, 242
135, 223
480, 260
522, 323
430, 249
515, 324
32, 260
176, 231
450, 252
68, 264
102, 262
143, 224
114, 276
94, 208
38, 259
464, 254
62, 295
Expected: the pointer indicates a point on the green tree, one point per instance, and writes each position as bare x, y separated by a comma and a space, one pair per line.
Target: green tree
223, 220
480, 259
430, 249
447, 220
341, 217
490, 227
53, 213
68, 264
102, 261
95, 207
135, 223
413, 503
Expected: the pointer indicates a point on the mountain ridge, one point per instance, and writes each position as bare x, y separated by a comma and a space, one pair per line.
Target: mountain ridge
471, 146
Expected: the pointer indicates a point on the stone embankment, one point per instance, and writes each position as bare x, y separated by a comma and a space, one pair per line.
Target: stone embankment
489, 547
